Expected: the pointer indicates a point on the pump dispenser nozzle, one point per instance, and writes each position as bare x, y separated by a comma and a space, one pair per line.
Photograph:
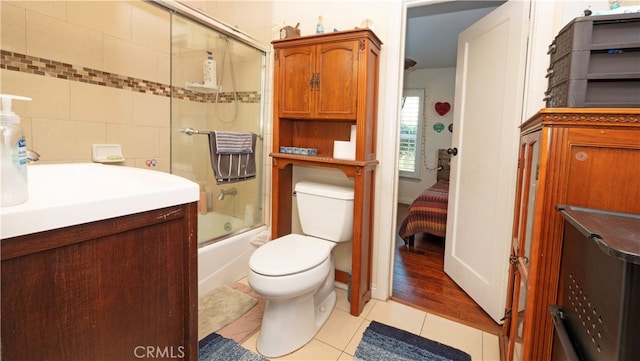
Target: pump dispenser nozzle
6, 114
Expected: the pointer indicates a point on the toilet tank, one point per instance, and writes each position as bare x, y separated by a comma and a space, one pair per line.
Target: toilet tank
325, 210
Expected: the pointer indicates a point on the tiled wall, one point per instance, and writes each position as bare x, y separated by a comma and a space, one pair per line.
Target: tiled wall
98, 72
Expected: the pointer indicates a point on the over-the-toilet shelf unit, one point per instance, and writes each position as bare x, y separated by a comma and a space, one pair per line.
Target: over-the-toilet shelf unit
324, 84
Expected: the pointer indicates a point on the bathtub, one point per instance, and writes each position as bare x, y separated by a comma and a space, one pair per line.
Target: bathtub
213, 226
227, 260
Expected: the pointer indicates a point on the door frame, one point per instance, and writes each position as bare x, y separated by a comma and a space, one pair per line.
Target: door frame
388, 174
386, 210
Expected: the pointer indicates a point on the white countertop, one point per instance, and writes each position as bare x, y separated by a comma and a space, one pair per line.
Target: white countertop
62, 195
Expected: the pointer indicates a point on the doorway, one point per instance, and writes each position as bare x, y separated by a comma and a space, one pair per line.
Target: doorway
419, 278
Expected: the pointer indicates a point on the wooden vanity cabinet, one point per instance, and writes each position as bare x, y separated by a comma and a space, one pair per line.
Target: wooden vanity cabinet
586, 157
119, 289
323, 85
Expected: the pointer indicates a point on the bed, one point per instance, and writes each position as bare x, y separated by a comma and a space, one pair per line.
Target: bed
428, 212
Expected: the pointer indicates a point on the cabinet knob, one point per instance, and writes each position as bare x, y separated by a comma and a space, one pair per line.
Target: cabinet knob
312, 81
452, 151
550, 72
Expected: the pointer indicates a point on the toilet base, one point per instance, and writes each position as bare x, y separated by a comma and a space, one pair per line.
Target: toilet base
289, 324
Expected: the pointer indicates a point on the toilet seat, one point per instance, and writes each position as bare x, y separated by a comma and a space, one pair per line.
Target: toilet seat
290, 254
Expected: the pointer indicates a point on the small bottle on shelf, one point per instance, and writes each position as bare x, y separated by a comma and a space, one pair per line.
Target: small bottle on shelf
320, 26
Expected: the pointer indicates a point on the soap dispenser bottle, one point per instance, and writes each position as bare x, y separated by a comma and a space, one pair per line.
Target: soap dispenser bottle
13, 155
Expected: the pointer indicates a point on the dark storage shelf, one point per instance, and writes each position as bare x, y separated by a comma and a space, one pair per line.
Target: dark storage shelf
614, 76
616, 45
600, 105
599, 289
615, 233
595, 62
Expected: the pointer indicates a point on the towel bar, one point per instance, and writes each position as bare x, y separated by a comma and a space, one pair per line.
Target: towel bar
191, 131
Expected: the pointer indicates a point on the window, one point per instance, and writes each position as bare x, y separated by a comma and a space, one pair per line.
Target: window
411, 133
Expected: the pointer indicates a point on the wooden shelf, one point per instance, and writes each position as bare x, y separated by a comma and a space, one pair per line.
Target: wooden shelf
285, 158
323, 86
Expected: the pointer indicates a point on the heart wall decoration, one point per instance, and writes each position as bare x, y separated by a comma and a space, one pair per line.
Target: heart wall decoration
442, 108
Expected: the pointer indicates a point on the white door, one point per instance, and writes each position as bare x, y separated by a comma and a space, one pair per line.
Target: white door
487, 112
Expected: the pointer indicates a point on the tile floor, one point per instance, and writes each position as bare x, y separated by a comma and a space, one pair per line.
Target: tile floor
339, 337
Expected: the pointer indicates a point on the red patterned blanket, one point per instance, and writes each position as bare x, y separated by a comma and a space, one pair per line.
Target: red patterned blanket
427, 213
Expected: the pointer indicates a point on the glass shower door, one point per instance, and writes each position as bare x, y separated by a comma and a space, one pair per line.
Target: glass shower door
233, 102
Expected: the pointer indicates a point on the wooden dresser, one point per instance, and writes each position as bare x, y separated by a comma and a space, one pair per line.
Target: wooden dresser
586, 157
323, 86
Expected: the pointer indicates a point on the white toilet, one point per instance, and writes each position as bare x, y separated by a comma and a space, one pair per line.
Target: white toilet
295, 273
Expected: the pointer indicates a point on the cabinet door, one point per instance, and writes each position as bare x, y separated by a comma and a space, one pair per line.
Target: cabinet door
531, 145
518, 313
294, 77
528, 164
337, 80
103, 290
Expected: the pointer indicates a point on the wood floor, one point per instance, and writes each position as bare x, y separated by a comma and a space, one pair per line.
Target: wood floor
419, 280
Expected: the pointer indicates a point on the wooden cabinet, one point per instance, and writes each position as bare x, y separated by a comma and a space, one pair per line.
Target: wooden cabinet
119, 289
527, 180
323, 85
320, 81
586, 157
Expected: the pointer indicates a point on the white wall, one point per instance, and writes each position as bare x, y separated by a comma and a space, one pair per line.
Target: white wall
439, 86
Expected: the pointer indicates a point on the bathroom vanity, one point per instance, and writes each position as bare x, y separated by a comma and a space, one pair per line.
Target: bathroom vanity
100, 275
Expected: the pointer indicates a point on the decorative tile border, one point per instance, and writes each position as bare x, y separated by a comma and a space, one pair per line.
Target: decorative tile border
51, 68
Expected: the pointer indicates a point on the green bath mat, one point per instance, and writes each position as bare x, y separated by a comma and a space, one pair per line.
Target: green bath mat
220, 307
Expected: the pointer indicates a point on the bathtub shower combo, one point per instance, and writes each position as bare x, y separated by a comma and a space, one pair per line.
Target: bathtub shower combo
221, 93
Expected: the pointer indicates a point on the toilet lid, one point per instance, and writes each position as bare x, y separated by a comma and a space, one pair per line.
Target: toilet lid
290, 254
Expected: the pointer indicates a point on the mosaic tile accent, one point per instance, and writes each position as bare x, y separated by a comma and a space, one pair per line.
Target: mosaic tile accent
51, 68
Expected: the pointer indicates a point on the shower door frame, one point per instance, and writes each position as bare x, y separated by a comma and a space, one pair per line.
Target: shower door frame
213, 24
177, 8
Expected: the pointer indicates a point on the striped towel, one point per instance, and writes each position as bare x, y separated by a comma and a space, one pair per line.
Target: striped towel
232, 156
234, 142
